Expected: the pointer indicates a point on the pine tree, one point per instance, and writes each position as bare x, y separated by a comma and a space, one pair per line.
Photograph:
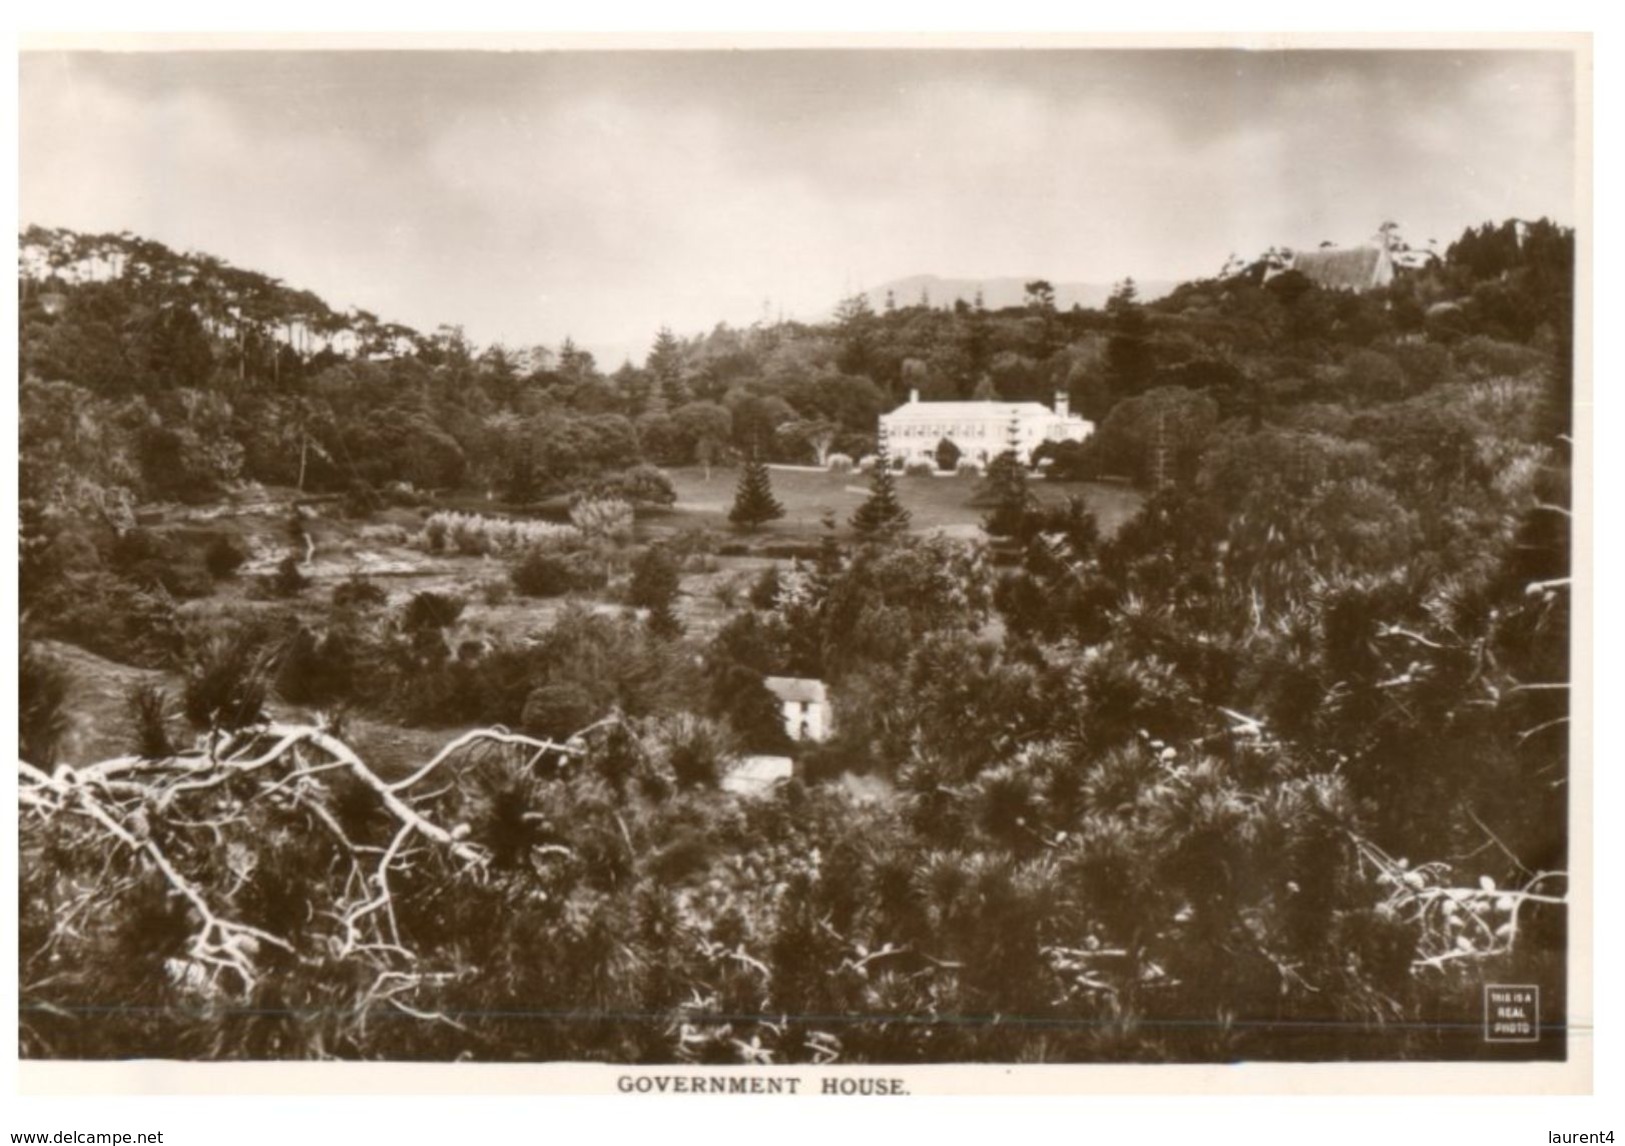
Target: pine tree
828, 566
655, 579
1012, 501
664, 365
882, 512
664, 623
754, 503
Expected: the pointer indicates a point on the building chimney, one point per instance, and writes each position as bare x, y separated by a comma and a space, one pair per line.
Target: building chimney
913, 397
1062, 403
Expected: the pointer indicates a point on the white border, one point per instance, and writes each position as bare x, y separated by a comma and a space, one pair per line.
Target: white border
1282, 1119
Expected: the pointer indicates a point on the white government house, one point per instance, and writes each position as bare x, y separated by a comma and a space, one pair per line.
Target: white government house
980, 430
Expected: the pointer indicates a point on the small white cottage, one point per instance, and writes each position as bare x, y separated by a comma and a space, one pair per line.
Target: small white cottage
805, 705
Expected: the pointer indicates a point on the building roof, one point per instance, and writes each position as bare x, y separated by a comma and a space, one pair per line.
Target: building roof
1340, 268
976, 410
802, 689
757, 775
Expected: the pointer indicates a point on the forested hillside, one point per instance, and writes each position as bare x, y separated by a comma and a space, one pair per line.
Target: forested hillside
1278, 768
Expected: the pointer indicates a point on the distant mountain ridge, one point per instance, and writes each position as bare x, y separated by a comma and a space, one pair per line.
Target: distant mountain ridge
999, 293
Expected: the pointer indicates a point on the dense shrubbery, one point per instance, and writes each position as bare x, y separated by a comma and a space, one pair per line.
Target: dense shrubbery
540, 573
1139, 902
473, 535
603, 518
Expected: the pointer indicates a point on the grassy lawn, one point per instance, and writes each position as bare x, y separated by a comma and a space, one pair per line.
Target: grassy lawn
935, 503
383, 549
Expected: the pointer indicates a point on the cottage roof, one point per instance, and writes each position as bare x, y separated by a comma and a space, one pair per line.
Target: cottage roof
1340, 268
802, 689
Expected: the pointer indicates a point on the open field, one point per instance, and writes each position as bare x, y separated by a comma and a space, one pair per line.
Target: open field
385, 549
936, 503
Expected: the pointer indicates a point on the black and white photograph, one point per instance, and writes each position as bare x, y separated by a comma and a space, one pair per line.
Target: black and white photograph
726, 562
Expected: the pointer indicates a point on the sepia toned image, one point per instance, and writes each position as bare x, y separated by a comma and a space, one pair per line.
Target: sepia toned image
800, 558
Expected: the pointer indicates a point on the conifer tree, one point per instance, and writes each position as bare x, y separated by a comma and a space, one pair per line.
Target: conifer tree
882, 512
754, 503
655, 579
1011, 500
664, 623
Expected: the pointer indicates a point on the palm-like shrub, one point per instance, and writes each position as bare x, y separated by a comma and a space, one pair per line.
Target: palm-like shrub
227, 682
149, 707
696, 750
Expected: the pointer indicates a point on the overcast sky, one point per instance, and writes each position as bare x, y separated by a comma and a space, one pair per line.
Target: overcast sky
530, 196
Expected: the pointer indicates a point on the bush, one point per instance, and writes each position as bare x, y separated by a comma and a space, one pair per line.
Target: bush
185, 581
1481, 357
429, 611
839, 464
496, 592
664, 623
357, 592
543, 574
764, 593
43, 685
316, 670
740, 695
149, 707
154, 561
726, 592
361, 501
226, 683
137, 547
288, 580
654, 579
968, 468
919, 468
474, 535
559, 710
223, 558
401, 495
641, 485
696, 749
608, 518
693, 542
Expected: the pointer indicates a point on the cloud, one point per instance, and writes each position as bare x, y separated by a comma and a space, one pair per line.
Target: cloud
604, 195
181, 167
